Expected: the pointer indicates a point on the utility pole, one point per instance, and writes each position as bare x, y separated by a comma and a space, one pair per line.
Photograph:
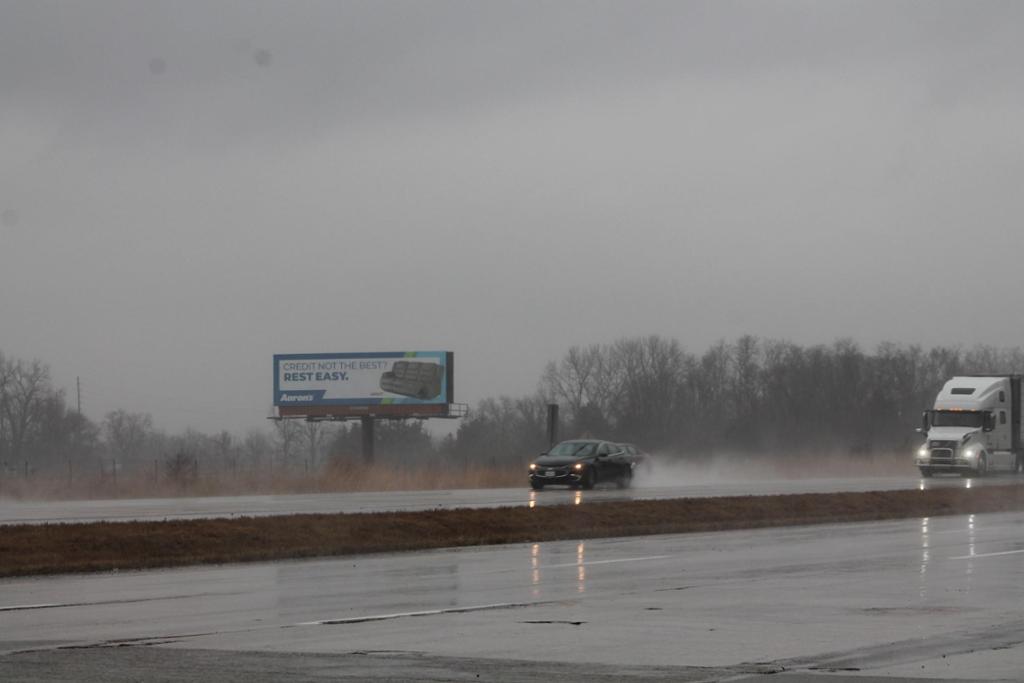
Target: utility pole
367, 433
78, 426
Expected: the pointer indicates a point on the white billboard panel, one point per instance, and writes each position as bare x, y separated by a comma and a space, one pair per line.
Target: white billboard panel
363, 379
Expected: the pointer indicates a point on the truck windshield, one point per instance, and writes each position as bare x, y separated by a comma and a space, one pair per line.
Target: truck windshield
957, 418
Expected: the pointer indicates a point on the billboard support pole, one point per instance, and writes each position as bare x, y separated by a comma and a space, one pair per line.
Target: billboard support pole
552, 424
367, 429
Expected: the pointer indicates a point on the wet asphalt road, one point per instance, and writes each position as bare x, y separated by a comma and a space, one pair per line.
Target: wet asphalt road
12, 512
933, 599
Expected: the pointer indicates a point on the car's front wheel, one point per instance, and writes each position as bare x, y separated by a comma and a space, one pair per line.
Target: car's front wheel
589, 479
536, 485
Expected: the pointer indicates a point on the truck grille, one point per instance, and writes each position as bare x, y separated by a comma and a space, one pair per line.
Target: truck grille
942, 455
942, 444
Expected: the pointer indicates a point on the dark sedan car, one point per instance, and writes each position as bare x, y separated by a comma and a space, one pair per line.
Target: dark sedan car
582, 463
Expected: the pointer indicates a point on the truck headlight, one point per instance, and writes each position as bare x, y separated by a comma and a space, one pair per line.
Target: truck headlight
970, 453
922, 452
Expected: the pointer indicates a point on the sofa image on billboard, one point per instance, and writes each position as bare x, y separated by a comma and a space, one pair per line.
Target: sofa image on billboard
414, 379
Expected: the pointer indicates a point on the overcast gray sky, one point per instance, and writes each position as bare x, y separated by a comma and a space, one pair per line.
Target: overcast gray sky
187, 188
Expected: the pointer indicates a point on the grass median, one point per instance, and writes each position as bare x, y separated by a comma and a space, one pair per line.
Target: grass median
105, 546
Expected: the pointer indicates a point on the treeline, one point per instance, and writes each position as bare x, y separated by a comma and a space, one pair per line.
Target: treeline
759, 396
35, 422
755, 396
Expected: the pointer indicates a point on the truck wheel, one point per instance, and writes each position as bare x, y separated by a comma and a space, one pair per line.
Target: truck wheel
982, 468
1018, 465
926, 472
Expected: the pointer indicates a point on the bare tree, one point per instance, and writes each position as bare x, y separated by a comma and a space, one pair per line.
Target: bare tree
5, 371
651, 371
26, 387
225, 450
745, 391
586, 382
126, 433
181, 468
256, 447
288, 433
312, 435
501, 430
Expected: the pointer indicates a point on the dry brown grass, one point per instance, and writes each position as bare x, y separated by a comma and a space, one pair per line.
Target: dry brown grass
54, 548
344, 476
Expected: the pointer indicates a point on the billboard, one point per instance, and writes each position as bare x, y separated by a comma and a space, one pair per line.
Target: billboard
352, 380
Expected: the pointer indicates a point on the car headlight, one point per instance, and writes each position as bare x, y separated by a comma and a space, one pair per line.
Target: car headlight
578, 466
533, 466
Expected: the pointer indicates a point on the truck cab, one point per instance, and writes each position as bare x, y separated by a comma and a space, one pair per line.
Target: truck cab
974, 427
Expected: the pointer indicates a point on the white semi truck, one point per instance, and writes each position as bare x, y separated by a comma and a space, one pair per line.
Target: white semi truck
974, 428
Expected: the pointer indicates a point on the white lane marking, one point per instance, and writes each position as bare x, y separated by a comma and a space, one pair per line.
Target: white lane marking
971, 557
124, 601
592, 562
422, 613
43, 605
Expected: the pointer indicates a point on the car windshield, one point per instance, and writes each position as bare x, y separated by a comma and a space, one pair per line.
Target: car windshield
957, 418
575, 449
